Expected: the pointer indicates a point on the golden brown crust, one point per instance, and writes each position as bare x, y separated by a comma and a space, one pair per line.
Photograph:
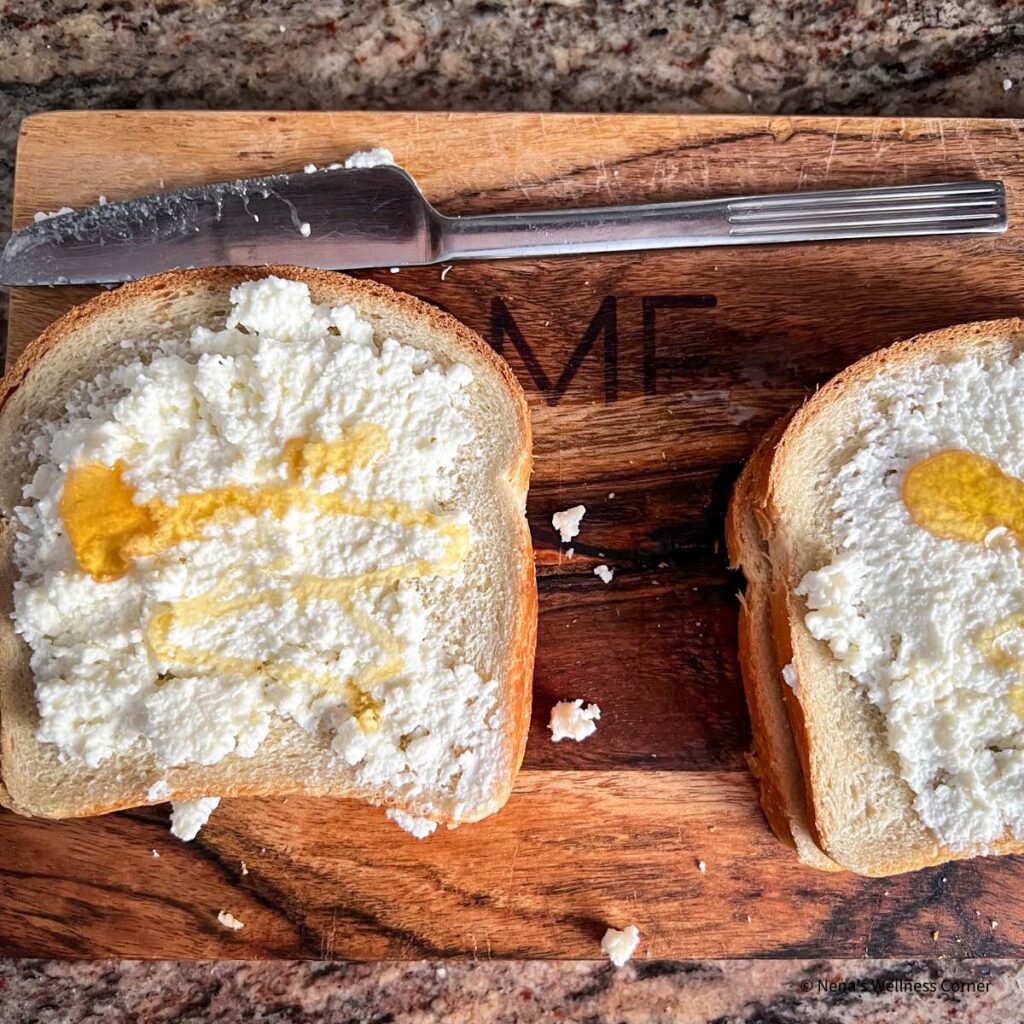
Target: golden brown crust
519, 671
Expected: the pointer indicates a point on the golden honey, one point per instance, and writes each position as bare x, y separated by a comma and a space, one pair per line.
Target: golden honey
107, 529
963, 496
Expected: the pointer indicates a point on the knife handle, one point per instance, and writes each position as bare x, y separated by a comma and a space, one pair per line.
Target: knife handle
955, 208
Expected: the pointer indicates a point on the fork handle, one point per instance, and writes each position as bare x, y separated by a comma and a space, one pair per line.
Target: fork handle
951, 208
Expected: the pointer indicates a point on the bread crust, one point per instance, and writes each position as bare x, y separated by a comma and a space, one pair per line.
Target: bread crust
774, 758
518, 674
905, 843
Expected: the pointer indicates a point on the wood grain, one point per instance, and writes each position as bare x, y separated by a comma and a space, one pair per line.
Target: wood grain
650, 378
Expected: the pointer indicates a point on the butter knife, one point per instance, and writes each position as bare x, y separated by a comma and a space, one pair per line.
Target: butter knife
377, 217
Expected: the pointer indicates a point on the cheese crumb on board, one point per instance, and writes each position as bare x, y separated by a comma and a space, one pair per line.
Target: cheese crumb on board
41, 215
305, 229
376, 157
567, 523
419, 828
619, 945
229, 921
189, 816
604, 573
570, 720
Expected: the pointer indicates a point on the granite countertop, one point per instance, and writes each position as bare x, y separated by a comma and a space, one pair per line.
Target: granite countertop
930, 57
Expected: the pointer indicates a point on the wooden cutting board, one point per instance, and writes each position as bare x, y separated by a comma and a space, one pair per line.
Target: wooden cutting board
650, 377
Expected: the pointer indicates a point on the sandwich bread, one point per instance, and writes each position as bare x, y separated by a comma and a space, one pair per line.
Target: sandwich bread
263, 534
880, 531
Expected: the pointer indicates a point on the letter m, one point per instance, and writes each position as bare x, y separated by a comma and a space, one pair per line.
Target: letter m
604, 322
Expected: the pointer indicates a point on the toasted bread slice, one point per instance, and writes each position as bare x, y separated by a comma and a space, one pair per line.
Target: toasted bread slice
861, 811
487, 612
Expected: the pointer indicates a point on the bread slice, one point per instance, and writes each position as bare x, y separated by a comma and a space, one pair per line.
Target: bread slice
490, 613
860, 811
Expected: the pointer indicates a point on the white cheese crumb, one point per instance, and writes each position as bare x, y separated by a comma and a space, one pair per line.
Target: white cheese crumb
418, 827
309, 169
394, 270
1007, 84
994, 534
619, 945
189, 816
604, 573
229, 921
245, 869
156, 856
611, 494
305, 229
376, 157
567, 523
570, 720
160, 790
42, 215
995, 925
789, 677
444, 271
570, 552
702, 867
102, 200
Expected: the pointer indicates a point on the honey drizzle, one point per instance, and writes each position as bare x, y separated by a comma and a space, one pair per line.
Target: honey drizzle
962, 496
107, 530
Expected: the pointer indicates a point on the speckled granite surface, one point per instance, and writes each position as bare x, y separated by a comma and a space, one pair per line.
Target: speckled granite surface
843, 57
729, 992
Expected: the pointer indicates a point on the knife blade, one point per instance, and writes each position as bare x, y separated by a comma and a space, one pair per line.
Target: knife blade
333, 218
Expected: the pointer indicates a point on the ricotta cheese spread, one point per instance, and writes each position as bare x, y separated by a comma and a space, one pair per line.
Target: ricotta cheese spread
242, 525
376, 157
619, 944
570, 720
419, 828
789, 677
931, 626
